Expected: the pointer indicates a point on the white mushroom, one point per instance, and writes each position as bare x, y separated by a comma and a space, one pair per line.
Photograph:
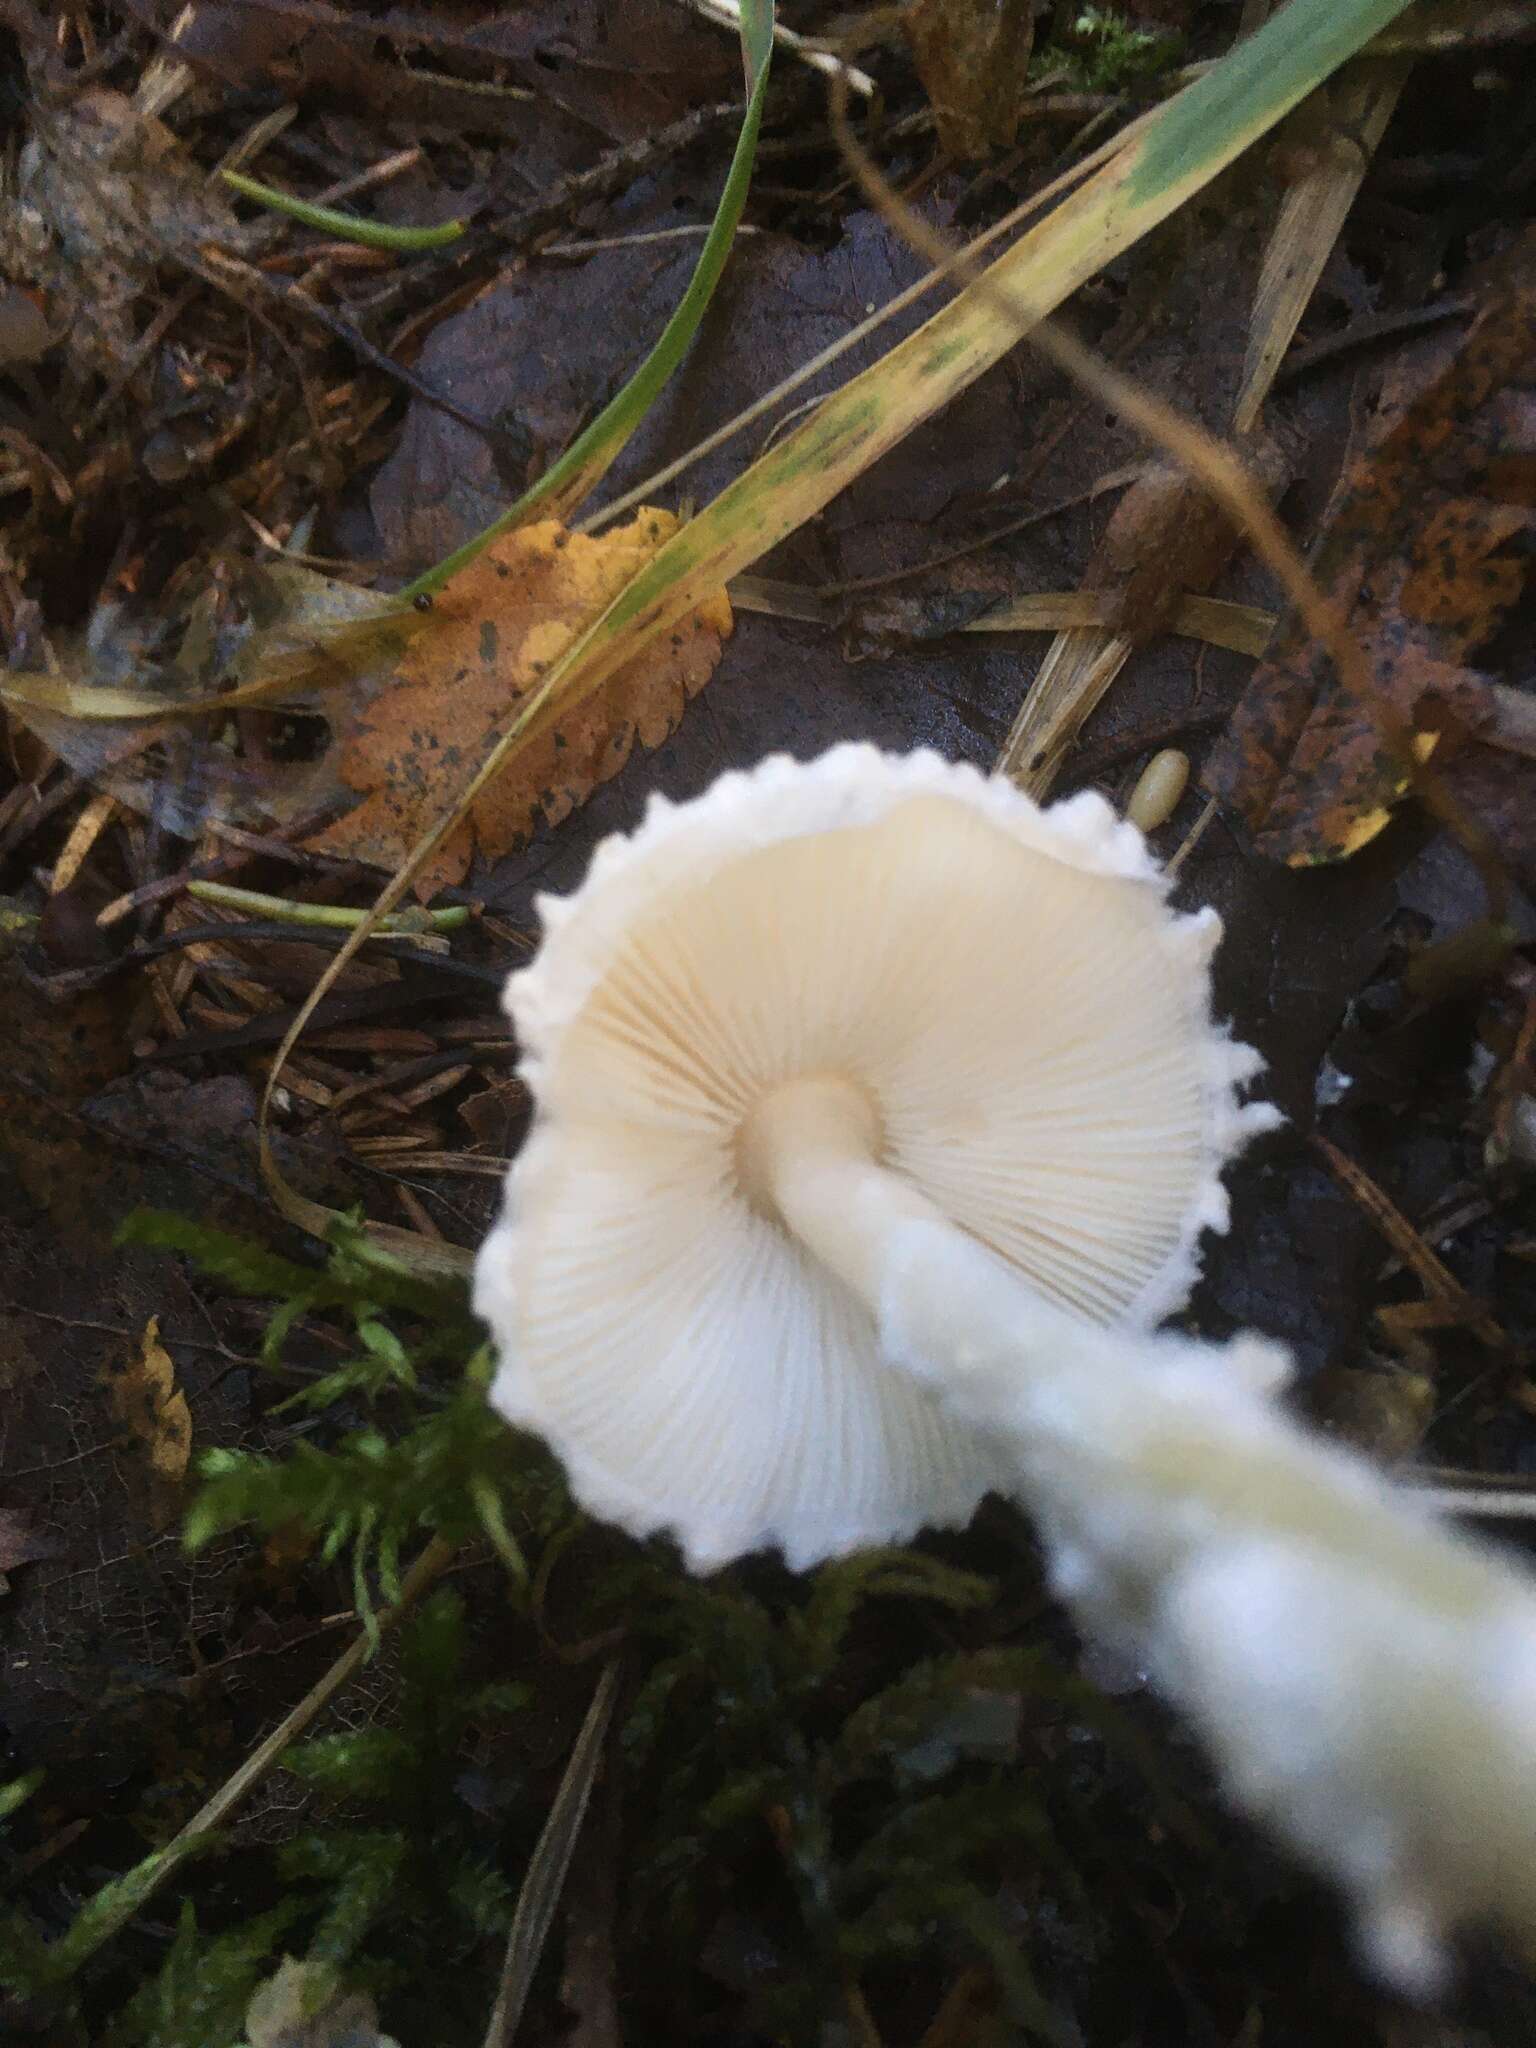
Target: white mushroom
773, 1025
879, 1116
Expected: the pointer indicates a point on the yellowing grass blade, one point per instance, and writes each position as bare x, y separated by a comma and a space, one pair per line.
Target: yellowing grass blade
1179, 150
1192, 139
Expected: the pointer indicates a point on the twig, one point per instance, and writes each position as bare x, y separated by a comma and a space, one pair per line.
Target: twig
30, 815
230, 270
728, 14
1089, 763
148, 893
1366, 333
611, 174
1116, 480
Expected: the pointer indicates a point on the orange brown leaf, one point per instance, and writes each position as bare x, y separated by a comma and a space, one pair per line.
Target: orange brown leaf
493, 634
1427, 551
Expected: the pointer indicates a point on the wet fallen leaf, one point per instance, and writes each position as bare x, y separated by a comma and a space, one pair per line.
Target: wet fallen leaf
492, 635
153, 1409
1166, 538
1492, 783
973, 57
542, 353
1427, 551
302, 2006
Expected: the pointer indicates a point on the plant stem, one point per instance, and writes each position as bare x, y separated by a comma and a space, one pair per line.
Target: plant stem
348, 227
809, 1154
331, 915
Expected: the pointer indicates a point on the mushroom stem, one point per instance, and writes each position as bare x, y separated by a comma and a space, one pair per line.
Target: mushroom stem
1364, 1678
1367, 1679
809, 1155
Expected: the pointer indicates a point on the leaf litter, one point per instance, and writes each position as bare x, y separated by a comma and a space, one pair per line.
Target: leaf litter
1426, 552
21, 1542
1221, 1967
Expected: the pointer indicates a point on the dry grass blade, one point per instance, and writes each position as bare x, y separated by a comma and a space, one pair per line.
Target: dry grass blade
1344, 127
551, 1858
1218, 466
1073, 678
762, 408
1446, 1293
1241, 628
1343, 124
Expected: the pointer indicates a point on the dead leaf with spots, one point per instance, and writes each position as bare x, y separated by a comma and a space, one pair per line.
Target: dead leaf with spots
492, 635
154, 1411
1426, 553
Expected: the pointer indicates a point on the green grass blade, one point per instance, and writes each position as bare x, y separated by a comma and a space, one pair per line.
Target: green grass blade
1257, 82
346, 227
590, 456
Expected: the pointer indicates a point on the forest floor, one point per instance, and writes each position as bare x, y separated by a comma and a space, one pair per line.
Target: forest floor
896, 1802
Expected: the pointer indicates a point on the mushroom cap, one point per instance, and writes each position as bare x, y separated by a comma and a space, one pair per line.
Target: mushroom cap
1033, 1026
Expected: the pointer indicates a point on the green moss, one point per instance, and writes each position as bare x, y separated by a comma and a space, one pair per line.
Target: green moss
795, 1757
1103, 52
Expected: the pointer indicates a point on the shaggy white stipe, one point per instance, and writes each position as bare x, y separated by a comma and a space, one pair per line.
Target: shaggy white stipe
1365, 1680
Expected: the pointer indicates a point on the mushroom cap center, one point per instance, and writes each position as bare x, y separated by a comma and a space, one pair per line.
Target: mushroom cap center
826, 1115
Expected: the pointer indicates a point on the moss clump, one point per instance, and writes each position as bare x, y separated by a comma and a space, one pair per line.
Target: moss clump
822, 1806
1103, 52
